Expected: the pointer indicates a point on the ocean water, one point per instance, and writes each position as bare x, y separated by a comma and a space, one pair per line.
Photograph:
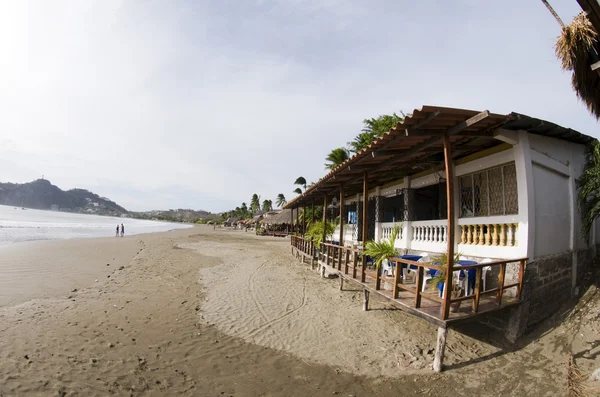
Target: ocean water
18, 225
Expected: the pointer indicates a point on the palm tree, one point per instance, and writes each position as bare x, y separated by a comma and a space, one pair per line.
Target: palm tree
301, 181
244, 211
280, 200
298, 190
361, 141
267, 205
336, 157
588, 188
254, 203
374, 128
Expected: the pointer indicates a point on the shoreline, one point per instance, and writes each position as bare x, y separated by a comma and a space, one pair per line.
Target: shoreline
39, 269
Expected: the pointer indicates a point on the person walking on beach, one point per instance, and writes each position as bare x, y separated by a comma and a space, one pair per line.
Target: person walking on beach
117, 233
122, 230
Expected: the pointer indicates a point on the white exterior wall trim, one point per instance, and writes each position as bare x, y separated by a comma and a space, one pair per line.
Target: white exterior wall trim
548, 162
524, 168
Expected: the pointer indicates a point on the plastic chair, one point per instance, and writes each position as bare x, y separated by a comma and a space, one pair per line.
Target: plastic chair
386, 268
485, 270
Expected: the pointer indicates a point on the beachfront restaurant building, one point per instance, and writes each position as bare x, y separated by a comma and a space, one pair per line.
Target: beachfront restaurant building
496, 190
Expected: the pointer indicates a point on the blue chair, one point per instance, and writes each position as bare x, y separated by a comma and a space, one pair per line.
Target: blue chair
471, 274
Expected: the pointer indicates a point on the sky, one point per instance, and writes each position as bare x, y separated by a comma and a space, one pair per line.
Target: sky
200, 104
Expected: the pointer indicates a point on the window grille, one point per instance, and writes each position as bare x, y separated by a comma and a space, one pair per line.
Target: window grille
489, 192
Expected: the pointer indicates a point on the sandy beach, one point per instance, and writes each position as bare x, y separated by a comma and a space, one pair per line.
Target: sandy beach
200, 312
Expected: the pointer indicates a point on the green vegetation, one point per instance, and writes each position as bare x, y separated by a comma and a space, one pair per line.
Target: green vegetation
384, 249
280, 200
373, 129
441, 260
267, 205
315, 232
588, 188
336, 157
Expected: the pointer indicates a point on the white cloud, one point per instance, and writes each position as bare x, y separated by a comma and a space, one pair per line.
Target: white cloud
200, 104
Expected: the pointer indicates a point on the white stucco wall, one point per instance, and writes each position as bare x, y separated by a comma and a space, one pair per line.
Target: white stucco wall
552, 212
565, 160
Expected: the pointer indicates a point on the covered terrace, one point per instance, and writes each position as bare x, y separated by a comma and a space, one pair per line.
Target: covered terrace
429, 142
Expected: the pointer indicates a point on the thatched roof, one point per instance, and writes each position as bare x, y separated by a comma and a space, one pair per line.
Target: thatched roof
277, 218
578, 48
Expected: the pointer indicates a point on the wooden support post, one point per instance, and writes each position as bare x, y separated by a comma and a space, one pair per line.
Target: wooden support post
323, 271
521, 275
438, 361
324, 219
341, 215
304, 220
364, 225
419, 287
475, 306
366, 301
292, 220
501, 284
312, 216
354, 263
451, 232
346, 261
297, 229
396, 280
341, 283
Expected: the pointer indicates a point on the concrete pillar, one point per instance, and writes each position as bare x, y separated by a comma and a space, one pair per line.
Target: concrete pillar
526, 196
409, 197
378, 204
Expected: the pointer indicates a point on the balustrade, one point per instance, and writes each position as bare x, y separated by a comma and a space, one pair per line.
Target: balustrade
489, 234
430, 232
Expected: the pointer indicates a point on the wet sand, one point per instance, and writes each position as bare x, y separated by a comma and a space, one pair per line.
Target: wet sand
226, 313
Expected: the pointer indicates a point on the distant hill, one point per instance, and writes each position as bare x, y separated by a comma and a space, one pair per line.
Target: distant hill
178, 215
43, 195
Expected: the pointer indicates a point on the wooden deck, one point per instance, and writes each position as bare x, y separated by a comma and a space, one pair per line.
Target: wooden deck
430, 310
426, 304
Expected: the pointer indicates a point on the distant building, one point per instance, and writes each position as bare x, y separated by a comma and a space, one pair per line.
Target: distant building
95, 204
54, 207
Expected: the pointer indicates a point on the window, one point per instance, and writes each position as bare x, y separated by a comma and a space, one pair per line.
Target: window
489, 192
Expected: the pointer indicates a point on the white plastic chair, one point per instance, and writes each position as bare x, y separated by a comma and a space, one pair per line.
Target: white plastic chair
386, 268
485, 270
426, 274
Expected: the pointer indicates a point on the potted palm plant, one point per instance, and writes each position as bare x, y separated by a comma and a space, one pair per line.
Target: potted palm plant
382, 250
440, 278
314, 233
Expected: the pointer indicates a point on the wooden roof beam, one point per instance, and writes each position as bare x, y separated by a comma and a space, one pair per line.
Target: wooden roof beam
435, 139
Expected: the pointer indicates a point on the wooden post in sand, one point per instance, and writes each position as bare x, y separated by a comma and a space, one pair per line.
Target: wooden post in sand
438, 361
341, 283
366, 301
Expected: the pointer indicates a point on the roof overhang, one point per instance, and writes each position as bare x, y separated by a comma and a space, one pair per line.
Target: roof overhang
415, 145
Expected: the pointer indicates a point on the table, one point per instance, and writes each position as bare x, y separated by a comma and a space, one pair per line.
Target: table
471, 273
413, 258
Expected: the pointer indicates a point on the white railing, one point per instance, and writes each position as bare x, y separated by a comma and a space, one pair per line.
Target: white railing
348, 234
388, 227
430, 231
